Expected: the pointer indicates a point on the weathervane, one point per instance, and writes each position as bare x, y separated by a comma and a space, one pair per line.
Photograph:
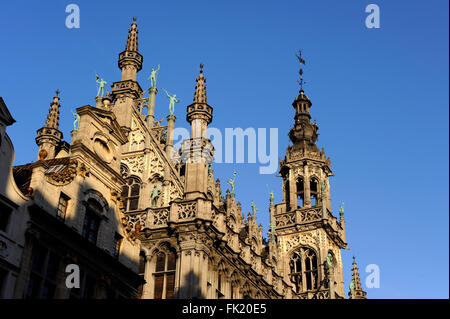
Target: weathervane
57, 92
201, 67
302, 61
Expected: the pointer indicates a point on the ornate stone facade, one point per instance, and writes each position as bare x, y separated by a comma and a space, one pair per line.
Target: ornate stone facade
156, 217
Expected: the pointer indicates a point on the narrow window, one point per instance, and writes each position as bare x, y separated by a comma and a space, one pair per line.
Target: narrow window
62, 206
44, 270
3, 276
91, 223
300, 192
219, 286
287, 192
313, 186
5, 213
164, 275
131, 192
182, 170
142, 261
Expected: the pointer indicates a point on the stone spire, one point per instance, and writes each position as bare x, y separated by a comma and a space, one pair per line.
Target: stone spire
132, 42
53, 114
200, 88
130, 61
199, 113
49, 136
198, 152
357, 292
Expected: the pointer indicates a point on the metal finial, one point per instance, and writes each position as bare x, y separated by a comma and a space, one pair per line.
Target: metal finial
57, 92
201, 67
134, 19
301, 61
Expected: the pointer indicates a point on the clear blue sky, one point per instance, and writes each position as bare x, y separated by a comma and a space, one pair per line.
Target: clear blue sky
380, 98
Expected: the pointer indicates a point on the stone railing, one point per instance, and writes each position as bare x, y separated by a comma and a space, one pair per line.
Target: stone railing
159, 217
308, 215
124, 85
184, 211
135, 221
285, 219
321, 294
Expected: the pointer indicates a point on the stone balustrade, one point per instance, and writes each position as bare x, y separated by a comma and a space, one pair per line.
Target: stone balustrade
308, 215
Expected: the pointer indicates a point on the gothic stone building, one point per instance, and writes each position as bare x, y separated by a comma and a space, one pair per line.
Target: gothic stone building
144, 220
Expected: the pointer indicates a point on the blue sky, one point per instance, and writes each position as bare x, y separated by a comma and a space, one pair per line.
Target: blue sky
380, 98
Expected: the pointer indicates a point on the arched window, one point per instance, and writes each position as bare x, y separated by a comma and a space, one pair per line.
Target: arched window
303, 269
92, 218
300, 192
164, 275
314, 189
131, 191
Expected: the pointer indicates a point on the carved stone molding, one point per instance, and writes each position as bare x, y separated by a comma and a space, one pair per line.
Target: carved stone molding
136, 164
186, 210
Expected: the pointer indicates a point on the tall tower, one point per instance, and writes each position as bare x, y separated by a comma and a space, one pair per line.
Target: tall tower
49, 136
306, 229
198, 150
127, 91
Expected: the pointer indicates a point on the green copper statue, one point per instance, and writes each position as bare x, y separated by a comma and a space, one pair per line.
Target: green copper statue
330, 261
152, 77
352, 287
271, 195
341, 209
101, 85
172, 100
322, 186
254, 209
76, 122
231, 182
155, 195
272, 231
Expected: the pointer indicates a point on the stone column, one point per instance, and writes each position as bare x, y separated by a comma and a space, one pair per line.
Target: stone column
98, 101
292, 192
307, 193
327, 191
151, 107
149, 286
331, 282
324, 205
73, 133
185, 273
177, 292
169, 141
